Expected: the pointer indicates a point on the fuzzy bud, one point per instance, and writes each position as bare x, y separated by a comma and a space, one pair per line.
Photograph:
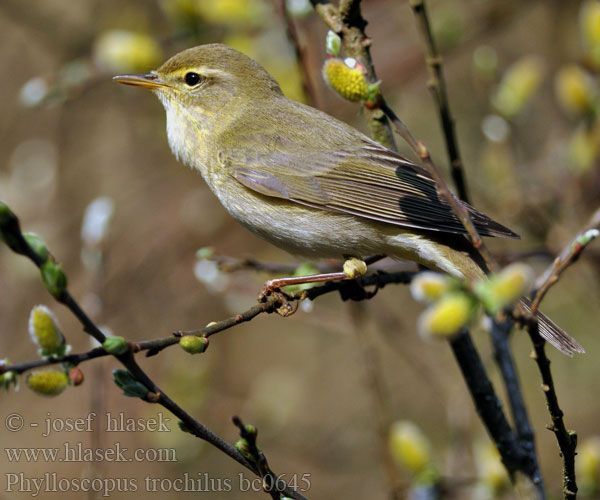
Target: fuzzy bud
45, 332
492, 476
589, 19
447, 316
429, 286
353, 267
47, 382
409, 447
504, 288
574, 89
347, 77
193, 344
519, 84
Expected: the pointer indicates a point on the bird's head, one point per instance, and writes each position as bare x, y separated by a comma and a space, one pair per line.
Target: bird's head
204, 88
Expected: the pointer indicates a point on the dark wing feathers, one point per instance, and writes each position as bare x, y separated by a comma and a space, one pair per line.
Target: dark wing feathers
369, 182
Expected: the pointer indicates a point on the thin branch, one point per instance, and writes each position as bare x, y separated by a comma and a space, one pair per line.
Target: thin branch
488, 404
230, 264
437, 85
10, 232
442, 187
257, 458
348, 23
568, 256
567, 440
525, 434
299, 50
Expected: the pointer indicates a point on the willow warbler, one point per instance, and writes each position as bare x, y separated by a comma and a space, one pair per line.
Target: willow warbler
305, 181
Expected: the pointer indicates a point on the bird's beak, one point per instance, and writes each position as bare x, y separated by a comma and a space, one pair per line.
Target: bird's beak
150, 81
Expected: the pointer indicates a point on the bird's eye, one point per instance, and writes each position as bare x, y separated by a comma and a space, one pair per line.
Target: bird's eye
192, 78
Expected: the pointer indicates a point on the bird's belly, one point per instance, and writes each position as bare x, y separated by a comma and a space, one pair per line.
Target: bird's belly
298, 229
320, 233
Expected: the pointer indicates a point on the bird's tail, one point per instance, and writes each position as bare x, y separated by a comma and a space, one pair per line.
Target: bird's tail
552, 333
456, 256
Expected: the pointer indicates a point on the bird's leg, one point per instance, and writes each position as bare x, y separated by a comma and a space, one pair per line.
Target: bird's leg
353, 268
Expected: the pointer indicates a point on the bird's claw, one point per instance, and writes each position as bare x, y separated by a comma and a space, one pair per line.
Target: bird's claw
278, 297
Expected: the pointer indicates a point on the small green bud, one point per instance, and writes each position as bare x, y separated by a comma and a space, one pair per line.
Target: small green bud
54, 278
8, 377
129, 384
250, 429
38, 245
446, 317
47, 382
115, 345
193, 344
242, 446
45, 332
333, 43
587, 237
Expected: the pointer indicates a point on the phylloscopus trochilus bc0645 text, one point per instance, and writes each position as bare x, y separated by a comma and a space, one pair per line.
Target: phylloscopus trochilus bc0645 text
304, 180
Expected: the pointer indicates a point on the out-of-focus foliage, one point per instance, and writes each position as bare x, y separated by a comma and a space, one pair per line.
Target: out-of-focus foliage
523, 86
518, 86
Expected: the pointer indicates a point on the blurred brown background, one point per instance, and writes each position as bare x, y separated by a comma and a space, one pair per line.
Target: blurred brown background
70, 135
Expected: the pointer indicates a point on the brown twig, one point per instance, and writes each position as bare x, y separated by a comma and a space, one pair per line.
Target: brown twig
568, 256
348, 290
347, 21
10, 233
230, 264
437, 85
567, 440
248, 433
442, 187
294, 37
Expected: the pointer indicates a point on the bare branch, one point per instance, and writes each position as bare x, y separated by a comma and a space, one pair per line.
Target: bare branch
437, 85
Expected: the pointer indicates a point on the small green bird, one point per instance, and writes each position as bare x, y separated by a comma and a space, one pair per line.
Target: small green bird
305, 181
